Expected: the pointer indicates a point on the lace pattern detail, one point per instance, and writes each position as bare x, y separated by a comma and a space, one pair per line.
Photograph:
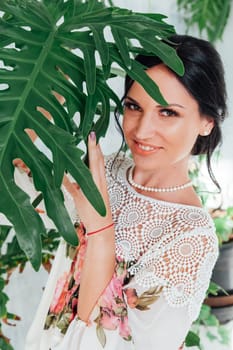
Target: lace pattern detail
172, 245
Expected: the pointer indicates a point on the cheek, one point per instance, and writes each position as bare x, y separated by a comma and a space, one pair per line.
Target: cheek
186, 132
123, 123
182, 139
126, 127
187, 141
192, 134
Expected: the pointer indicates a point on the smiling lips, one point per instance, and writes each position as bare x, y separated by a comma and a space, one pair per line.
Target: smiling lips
145, 149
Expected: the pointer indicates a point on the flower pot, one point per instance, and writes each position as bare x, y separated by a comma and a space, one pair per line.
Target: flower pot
223, 270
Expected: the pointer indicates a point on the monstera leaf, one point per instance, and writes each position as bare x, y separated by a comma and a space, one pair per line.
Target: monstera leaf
48, 48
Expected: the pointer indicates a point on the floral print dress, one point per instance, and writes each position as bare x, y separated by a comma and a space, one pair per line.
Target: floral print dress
165, 253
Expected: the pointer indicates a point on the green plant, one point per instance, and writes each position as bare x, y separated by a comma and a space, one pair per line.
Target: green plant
222, 217
209, 16
207, 320
49, 47
13, 258
223, 220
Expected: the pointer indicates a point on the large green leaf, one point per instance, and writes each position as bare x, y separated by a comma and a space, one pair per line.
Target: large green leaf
49, 47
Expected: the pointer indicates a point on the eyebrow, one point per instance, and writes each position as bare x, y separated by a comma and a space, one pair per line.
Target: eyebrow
157, 106
131, 99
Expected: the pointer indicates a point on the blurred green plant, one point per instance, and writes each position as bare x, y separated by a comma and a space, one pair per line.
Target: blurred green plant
12, 258
209, 16
214, 330
223, 220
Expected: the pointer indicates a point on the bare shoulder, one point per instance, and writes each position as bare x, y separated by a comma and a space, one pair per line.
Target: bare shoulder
190, 197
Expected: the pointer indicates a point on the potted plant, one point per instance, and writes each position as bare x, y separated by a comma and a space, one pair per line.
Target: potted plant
217, 308
221, 298
208, 324
222, 303
210, 19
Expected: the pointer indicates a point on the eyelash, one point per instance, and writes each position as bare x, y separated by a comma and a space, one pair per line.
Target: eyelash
169, 112
131, 106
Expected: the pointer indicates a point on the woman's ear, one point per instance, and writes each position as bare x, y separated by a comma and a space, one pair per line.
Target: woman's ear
207, 126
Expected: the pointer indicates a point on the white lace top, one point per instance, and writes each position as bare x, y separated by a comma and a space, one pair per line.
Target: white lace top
174, 245
169, 250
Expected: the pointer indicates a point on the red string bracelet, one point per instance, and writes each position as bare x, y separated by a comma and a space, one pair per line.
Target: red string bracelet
100, 230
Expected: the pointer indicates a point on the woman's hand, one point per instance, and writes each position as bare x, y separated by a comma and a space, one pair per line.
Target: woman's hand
91, 219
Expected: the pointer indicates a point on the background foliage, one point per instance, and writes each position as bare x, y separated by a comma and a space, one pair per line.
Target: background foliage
208, 16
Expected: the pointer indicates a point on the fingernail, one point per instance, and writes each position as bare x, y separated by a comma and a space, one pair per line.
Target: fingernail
92, 135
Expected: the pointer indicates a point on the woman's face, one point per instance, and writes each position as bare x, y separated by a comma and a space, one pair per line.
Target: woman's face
158, 135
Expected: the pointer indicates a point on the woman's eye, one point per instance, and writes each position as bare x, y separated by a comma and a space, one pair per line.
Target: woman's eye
166, 112
131, 106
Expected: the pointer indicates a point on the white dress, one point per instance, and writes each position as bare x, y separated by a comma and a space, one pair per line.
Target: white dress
165, 253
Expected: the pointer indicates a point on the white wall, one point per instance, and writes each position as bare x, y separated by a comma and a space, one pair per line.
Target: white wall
25, 291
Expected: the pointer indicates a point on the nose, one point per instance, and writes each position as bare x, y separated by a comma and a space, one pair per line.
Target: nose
146, 126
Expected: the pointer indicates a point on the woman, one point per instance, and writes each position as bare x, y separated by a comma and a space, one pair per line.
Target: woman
140, 274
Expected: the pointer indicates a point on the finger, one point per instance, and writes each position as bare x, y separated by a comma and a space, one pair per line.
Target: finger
76, 186
100, 158
21, 165
71, 187
96, 161
18, 163
96, 164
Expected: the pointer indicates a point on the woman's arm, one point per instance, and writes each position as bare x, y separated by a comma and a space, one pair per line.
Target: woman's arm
99, 260
97, 271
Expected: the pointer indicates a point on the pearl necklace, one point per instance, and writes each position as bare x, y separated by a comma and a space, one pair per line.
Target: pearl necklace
155, 189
